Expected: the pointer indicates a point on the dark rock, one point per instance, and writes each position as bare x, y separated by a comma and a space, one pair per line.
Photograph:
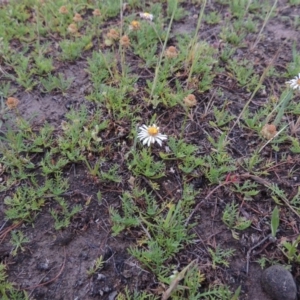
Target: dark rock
278, 283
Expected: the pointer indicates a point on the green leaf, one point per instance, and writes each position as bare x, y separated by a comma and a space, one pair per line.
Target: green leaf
275, 221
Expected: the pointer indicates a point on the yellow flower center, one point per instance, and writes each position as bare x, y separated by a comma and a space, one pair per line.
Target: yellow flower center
298, 81
153, 131
135, 23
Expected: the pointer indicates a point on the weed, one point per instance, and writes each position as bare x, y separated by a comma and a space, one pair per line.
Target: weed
244, 73
17, 240
220, 256
143, 64
71, 50
290, 250
53, 83
7, 291
143, 164
97, 266
275, 221
213, 18
232, 219
248, 189
63, 215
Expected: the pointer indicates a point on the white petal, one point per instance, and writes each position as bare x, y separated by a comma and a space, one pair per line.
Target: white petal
162, 137
145, 141
142, 135
159, 142
149, 141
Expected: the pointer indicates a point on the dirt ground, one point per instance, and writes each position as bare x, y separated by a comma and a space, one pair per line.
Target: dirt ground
54, 263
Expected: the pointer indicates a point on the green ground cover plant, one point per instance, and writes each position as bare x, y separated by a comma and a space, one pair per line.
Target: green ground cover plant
151, 144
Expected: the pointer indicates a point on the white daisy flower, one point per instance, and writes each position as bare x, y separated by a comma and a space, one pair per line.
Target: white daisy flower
146, 16
294, 83
150, 134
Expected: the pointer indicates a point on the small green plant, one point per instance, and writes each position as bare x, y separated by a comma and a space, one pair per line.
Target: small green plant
294, 2
129, 219
231, 36
63, 215
220, 256
136, 295
290, 250
53, 83
238, 7
25, 203
213, 18
248, 189
97, 266
275, 221
232, 219
17, 240
143, 164
222, 117
263, 261
244, 73
50, 165
71, 50
7, 290
293, 67
180, 12
184, 153
43, 65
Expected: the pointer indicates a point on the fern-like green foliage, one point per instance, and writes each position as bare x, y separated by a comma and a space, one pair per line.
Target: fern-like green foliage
143, 163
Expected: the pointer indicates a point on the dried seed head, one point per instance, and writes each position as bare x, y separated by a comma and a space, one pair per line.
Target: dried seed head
124, 41
77, 18
171, 52
97, 12
63, 10
268, 131
72, 28
190, 100
12, 102
113, 34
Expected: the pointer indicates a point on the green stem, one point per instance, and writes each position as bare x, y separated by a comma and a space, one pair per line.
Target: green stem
194, 41
161, 54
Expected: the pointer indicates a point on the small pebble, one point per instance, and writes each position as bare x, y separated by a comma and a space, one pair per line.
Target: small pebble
279, 283
112, 295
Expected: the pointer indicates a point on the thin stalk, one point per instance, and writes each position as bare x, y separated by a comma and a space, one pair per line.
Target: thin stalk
194, 41
269, 141
262, 78
122, 49
263, 26
281, 105
162, 53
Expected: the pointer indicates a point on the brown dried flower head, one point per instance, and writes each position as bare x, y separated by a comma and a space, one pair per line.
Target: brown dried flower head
72, 28
63, 10
125, 41
97, 12
135, 25
12, 102
268, 131
113, 34
190, 100
171, 52
77, 18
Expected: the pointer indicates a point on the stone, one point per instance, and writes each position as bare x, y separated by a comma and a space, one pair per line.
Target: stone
279, 283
